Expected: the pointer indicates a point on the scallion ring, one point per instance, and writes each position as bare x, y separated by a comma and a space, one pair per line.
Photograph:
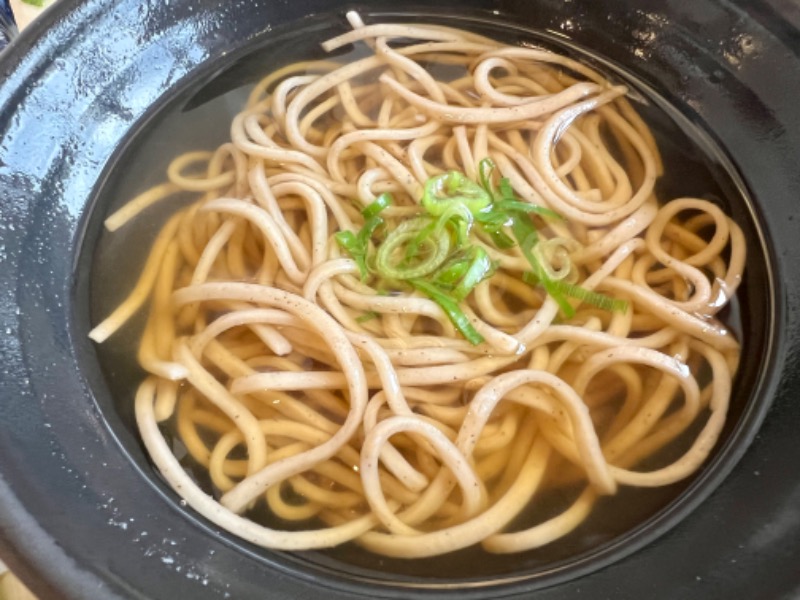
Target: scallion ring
391, 261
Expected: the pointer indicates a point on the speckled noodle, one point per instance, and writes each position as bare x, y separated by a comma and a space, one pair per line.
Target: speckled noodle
353, 403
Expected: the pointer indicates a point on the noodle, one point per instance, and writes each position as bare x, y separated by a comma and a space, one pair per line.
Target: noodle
385, 400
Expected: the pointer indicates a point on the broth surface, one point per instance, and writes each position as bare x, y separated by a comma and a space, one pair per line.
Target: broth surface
205, 125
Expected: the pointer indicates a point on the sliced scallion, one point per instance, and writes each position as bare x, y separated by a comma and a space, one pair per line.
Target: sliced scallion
450, 307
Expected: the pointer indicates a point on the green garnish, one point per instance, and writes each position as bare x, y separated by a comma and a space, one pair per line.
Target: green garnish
594, 298
356, 245
524, 232
432, 252
450, 308
479, 267
367, 316
36, 3
451, 189
394, 261
381, 202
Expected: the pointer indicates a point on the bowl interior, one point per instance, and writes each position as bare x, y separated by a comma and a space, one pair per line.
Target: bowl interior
197, 116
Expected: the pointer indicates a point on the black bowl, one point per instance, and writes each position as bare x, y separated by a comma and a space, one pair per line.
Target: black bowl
82, 512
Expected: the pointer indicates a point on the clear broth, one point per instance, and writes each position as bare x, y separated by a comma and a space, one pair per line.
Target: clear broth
201, 121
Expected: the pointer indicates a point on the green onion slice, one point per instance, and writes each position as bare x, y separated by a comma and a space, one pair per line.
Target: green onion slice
597, 299
451, 309
392, 261
367, 316
350, 243
442, 191
480, 267
381, 202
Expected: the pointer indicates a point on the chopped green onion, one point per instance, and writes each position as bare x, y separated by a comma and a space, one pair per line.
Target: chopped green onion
501, 240
350, 243
479, 269
451, 272
367, 231
506, 189
367, 316
451, 309
381, 202
578, 292
412, 249
597, 299
434, 250
527, 238
347, 240
555, 293
356, 245
507, 205
459, 215
555, 251
493, 218
442, 191
492, 222
485, 170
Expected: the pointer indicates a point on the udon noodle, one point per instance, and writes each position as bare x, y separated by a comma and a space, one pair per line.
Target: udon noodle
320, 354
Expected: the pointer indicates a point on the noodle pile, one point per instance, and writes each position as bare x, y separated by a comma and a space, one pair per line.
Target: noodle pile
354, 407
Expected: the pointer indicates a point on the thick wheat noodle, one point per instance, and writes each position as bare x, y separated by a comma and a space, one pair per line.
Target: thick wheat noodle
209, 387
702, 445
290, 374
624, 230
484, 87
539, 56
546, 532
393, 393
143, 286
197, 184
257, 94
317, 319
450, 455
140, 203
354, 137
338, 211
398, 171
430, 375
613, 185
472, 116
568, 143
269, 150
317, 219
350, 104
172, 471
279, 95
268, 227
166, 399
416, 71
390, 456
564, 200
663, 308
474, 530
377, 181
160, 330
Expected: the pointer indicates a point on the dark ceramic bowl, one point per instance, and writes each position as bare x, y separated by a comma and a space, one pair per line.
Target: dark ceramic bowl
83, 513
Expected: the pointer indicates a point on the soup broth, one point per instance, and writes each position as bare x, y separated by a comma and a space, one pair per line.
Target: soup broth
605, 505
